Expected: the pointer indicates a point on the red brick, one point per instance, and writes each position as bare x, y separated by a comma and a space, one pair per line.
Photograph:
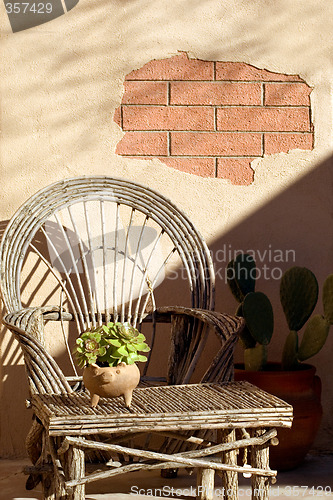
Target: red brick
117, 116
247, 72
205, 167
263, 119
215, 93
143, 143
175, 68
287, 94
282, 143
238, 170
215, 143
145, 93
168, 118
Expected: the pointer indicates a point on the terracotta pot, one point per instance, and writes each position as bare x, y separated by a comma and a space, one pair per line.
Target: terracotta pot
301, 389
111, 381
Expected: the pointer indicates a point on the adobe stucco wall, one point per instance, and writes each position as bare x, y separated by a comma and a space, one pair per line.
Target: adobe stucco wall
61, 83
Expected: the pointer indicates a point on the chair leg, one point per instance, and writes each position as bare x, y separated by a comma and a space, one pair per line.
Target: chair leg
33, 441
75, 469
205, 484
229, 478
260, 459
47, 478
48, 487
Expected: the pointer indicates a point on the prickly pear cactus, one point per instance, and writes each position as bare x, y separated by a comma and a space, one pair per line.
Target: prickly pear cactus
255, 358
298, 295
254, 307
258, 314
245, 273
246, 338
314, 337
232, 282
290, 350
241, 276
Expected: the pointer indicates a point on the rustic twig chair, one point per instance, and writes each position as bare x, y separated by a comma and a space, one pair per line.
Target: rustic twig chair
103, 249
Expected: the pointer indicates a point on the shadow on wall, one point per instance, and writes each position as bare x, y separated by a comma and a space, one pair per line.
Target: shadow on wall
295, 227
25, 15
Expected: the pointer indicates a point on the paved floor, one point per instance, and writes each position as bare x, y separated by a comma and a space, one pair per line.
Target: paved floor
313, 480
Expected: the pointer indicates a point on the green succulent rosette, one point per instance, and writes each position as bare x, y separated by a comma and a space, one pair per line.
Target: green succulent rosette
111, 344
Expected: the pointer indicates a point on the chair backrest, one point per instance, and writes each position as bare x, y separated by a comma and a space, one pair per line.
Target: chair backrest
108, 244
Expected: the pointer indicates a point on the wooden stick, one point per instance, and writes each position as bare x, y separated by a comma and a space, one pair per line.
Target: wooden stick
163, 457
260, 458
205, 484
230, 477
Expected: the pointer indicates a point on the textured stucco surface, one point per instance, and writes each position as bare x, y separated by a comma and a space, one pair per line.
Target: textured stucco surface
61, 83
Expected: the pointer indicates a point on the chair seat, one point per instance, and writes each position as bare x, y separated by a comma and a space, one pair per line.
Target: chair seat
183, 407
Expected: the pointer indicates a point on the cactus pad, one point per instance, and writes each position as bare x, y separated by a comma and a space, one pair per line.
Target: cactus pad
289, 355
314, 337
298, 295
246, 338
232, 282
328, 298
258, 314
245, 273
255, 358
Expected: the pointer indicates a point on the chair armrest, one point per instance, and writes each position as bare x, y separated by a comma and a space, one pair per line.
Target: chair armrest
44, 374
190, 328
27, 318
225, 325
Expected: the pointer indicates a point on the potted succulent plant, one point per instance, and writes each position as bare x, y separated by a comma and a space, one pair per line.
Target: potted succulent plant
291, 379
108, 355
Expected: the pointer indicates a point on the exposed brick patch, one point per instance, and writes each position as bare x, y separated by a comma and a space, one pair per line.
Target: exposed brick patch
145, 93
215, 93
215, 144
282, 143
176, 68
143, 144
117, 116
168, 118
237, 170
205, 167
263, 119
287, 94
229, 71
212, 118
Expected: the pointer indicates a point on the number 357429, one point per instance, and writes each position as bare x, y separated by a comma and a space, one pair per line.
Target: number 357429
28, 8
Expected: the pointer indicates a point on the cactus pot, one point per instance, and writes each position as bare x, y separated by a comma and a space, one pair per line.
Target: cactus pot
300, 388
111, 381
